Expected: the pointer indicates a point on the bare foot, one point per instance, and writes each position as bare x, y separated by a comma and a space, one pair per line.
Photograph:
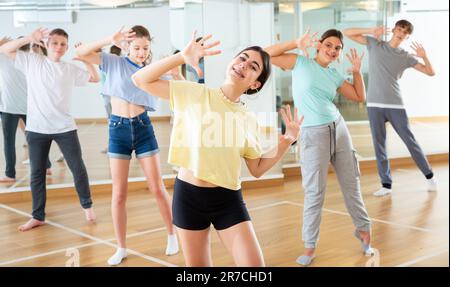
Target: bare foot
90, 215
365, 235
309, 252
32, 223
49, 171
7, 179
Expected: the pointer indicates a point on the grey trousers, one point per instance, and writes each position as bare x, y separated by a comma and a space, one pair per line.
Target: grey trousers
320, 146
39, 148
399, 121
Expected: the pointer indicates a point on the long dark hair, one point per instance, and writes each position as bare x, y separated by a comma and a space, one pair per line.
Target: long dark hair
266, 69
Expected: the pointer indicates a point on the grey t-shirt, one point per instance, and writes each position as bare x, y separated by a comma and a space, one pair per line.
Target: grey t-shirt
386, 67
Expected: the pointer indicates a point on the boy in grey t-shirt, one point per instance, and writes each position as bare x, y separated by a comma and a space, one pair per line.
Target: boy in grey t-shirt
387, 62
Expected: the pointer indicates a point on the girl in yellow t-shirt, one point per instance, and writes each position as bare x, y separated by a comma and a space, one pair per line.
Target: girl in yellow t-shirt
207, 188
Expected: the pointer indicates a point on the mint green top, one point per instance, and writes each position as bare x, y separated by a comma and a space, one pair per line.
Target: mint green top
314, 89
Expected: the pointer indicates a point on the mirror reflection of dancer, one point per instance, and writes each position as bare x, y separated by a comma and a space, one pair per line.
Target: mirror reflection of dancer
50, 82
14, 97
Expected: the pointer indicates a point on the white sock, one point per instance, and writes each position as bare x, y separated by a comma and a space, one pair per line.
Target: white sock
432, 184
172, 244
383, 191
120, 254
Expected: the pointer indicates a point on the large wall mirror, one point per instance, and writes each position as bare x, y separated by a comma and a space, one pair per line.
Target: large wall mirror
170, 24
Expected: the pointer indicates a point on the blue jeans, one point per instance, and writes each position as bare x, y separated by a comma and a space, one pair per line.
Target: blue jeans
126, 135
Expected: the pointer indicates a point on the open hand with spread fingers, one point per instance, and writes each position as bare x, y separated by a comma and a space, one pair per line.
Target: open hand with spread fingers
292, 125
355, 60
419, 50
308, 40
122, 38
39, 36
194, 51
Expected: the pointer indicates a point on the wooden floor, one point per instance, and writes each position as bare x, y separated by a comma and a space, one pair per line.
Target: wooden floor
410, 228
433, 137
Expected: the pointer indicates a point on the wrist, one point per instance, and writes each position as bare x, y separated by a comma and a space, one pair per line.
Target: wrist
180, 57
287, 140
28, 39
109, 41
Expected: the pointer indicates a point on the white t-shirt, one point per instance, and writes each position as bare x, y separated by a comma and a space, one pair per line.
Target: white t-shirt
13, 87
1, 104
50, 86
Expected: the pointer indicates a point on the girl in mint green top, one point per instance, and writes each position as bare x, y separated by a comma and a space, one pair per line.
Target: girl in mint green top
324, 137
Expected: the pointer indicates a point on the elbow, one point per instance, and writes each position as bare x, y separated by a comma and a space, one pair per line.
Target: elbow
431, 74
256, 173
136, 81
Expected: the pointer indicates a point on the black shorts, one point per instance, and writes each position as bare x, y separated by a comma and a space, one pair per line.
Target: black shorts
195, 208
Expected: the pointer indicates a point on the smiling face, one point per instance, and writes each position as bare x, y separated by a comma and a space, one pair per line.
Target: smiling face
330, 49
139, 50
57, 46
245, 69
400, 33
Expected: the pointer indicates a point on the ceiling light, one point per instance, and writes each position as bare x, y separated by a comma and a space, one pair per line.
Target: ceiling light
109, 3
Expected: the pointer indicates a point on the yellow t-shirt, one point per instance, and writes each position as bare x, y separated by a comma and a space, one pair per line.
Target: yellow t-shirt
211, 134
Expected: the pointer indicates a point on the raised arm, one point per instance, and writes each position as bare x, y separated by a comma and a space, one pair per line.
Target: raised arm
280, 57
358, 34
420, 52
89, 52
148, 78
259, 166
355, 92
4, 40
176, 74
10, 48
94, 75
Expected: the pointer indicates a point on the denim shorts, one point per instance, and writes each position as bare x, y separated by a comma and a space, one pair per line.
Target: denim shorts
126, 135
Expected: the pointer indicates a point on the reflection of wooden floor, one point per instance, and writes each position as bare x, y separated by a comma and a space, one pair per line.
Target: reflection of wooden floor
433, 136
410, 228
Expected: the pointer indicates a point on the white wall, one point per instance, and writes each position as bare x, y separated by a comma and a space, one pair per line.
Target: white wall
427, 96
92, 25
239, 24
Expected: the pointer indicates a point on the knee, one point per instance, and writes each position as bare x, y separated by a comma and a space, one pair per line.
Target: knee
158, 189
119, 199
78, 169
38, 174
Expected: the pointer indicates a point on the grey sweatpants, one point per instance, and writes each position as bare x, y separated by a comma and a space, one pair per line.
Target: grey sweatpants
320, 146
399, 121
